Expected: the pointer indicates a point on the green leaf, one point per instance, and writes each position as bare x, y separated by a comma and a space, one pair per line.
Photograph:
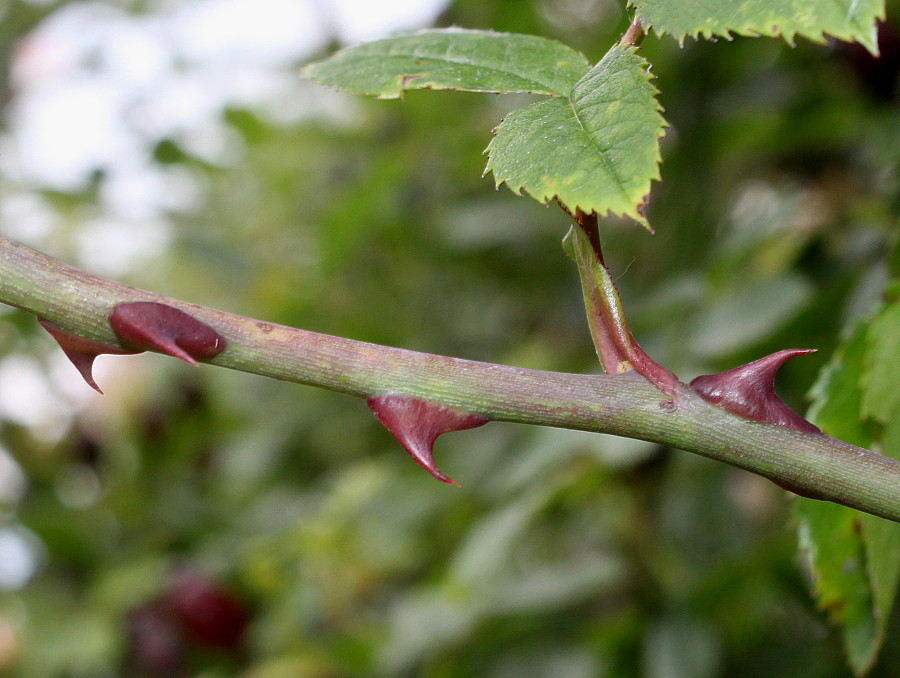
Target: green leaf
593, 146
882, 397
837, 395
843, 19
456, 59
597, 150
881, 402
854, 558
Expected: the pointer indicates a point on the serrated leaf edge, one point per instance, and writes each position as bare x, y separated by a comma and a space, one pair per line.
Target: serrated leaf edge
821, 37
636, 214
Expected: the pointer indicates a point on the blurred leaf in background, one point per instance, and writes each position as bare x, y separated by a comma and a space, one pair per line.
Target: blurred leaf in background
188, 160
854, 559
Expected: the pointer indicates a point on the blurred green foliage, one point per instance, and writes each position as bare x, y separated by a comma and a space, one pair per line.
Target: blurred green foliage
564, 554
855, 559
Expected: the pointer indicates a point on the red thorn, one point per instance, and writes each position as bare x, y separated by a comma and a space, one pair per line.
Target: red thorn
157, 327
417, 423
81, 351
749, 390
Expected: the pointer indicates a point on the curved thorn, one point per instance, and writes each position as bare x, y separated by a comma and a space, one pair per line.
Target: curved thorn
157, 327
417, 423
749, 390
82, 351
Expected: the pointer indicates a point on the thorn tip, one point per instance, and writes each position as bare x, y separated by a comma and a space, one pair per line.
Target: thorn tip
81, 351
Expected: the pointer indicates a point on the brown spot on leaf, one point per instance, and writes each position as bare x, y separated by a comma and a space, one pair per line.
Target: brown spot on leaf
642, 206
406, 79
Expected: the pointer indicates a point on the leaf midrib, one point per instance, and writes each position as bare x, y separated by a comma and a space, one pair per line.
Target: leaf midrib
600, 153
542, 87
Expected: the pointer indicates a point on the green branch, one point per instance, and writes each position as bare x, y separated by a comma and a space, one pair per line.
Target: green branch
626, 405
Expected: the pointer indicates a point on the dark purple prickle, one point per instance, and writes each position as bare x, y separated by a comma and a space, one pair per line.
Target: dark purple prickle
82, 351
150, 326
417, 423
749, 390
